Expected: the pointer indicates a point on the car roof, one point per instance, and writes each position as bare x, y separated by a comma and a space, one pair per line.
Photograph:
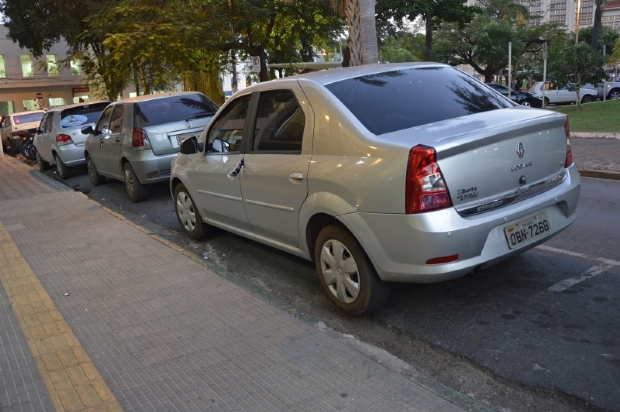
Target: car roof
27, 112
70, 106
335, 75
155, 96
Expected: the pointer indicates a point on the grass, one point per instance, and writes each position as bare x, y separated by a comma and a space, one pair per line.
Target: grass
593, 117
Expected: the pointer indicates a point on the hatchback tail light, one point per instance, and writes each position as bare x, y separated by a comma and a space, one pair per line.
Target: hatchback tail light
569, 152
426, 188
139, 139
63, 139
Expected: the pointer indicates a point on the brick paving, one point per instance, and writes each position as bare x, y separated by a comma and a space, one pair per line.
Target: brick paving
166, 333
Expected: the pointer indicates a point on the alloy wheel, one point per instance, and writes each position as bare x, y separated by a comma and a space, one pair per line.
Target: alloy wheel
186, 212
129, 183
526, 103
339, 271
92, 172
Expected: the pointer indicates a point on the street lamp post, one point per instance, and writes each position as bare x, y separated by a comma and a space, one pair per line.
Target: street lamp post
578, 20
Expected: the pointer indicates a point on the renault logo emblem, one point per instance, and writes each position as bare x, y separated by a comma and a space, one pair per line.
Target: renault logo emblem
520, 150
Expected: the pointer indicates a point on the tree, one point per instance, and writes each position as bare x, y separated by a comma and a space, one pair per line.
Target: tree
598, 22
576, 65
607, 37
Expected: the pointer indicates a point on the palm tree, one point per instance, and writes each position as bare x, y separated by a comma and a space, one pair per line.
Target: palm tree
598, 17
360, 15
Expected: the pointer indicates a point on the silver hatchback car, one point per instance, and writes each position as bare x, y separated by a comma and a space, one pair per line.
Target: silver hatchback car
59, 137
135, 140
381, 173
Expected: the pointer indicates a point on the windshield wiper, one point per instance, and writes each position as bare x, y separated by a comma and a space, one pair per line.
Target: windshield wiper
200, 115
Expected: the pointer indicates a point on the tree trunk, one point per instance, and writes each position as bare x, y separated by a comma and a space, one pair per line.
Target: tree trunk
233, 61
428, 49
598, 24
353, 14
370, 51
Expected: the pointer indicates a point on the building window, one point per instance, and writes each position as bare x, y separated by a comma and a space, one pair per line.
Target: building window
76, 69
2, 66
52, 66
56, 101
26, 61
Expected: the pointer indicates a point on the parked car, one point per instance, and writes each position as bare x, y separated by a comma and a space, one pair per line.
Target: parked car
522, 98
412, 172
612, 90
557, 95
17, 125
135, 140
59, 137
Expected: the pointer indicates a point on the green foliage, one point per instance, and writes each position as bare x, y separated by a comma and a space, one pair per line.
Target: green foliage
607, 37
403, 47
576, 65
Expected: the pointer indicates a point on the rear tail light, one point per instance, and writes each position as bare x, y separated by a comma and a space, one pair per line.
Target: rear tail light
139, 139
426, 188
442, 259
569, 153
63, 139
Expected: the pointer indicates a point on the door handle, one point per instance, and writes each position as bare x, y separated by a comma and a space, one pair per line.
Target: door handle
296, 177
234, 172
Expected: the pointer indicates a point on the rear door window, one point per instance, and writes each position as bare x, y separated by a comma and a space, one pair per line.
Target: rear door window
78, 116
46, 123
400, 99
280, 123
104, 120
170, 109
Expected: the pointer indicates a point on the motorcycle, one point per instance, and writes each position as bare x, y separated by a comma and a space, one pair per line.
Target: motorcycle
26, 147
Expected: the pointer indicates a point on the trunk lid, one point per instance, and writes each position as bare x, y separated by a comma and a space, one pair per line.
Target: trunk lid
492, 159
166, 138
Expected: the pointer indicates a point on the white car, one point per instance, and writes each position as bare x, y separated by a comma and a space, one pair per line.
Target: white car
555, 95
412, 172
16, 125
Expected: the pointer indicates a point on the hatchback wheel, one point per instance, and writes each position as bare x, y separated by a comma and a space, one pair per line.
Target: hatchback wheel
586, 99
61, 168
346, 274
137, 191
525, 103
187, 213
95, 178
614, 95
43, 164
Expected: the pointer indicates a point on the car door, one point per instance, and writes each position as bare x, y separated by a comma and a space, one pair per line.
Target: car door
113, 141
274, 176
95, 144
43, 140
566, 96
214, 174
551, 92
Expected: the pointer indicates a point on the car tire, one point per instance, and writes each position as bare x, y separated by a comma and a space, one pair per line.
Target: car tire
43, 164
614, 94
93, 174
61, 168
137, 191
586, 99
526, 103
188, 215
546, 102
346, 274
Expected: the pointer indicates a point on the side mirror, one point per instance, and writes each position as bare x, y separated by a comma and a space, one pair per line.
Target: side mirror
88, 130
189, 146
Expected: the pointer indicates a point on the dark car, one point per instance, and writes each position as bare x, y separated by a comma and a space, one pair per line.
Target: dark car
522, 98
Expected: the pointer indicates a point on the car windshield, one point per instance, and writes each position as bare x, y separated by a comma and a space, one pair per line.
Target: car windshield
77, 116
28, 118
170, 109
400, 99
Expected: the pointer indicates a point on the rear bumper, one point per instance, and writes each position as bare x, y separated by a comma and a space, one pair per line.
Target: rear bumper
71, 155
399, 244
150, 168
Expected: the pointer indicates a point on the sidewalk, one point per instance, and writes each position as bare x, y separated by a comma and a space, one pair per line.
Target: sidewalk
597, 155
94, 313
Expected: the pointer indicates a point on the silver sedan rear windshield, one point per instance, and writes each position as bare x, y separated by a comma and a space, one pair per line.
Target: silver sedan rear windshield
170, 109
400, 99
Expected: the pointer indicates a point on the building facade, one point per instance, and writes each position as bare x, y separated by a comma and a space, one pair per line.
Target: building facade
27, 83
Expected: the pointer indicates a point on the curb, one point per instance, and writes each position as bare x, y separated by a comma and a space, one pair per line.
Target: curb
600, 174
595, 135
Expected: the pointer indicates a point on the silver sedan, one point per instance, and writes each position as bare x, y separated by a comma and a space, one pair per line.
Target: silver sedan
379, 174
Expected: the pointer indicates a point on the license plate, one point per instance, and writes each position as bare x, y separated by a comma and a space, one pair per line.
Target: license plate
527, 230
181, 137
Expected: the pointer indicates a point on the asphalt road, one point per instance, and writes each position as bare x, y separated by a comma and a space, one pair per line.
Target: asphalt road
539, 332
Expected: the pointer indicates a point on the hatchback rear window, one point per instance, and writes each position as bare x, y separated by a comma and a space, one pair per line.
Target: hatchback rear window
400, 99
28, 118
77, 116
170, 109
